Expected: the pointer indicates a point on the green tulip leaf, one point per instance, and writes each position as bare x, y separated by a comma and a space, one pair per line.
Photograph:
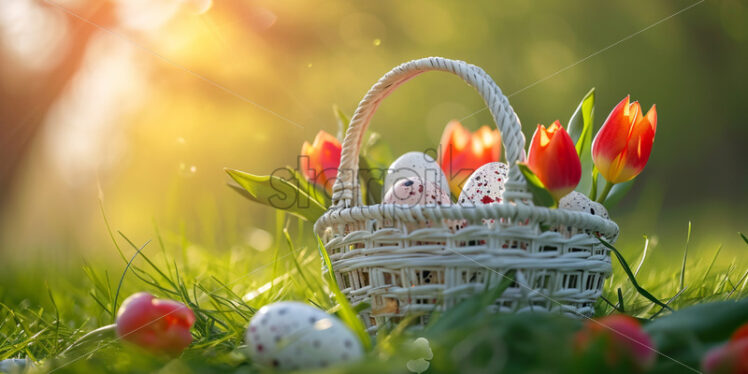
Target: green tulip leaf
617, 193
377, 152
371, 180
580, 129
278, 193
343, 122
311, 189
540, 195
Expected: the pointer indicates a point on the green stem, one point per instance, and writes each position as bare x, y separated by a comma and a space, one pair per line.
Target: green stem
605, 192
98, 334
593, 187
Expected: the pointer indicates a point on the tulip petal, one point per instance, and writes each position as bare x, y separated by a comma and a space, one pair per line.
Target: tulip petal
462, 152
610, 141
321, 159
553, 158
305, 162
622, 147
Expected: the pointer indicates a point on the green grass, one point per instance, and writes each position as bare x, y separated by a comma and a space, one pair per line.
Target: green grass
45, 308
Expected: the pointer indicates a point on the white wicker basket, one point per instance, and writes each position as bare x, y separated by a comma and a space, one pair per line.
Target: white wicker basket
407, 259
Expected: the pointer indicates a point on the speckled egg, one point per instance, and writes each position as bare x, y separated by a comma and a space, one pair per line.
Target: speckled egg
579, 202
412, 191
485, 185
415, 165
576, 201
292, 335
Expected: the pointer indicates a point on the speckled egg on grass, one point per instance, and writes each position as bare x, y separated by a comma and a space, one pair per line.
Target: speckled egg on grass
292, 335
415, 165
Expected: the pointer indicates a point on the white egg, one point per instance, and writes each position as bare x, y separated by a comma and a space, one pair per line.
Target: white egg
292, 335
597, 209
485, 185
415, 165
579, 202
576, 201
412, 191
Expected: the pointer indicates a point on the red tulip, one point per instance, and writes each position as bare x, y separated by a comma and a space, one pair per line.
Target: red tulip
158, 325
553, 158
622, 146
622, 340
462, 152
740, 333
321, 159
730, 358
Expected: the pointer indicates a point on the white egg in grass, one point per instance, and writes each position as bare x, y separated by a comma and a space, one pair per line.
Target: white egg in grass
415, 165
291, 335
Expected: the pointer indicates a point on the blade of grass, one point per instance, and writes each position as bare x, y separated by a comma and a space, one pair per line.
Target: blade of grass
161, 245
685, 256
148, 260
295, 259
744, 238
57, 316
644, 255
631, 276
109, 230
347, 314
668, 303
620, 301
614, 306
708, 269
735, 287
122, 278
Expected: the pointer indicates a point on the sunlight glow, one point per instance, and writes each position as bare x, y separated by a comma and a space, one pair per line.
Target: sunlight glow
82, 130
34, 34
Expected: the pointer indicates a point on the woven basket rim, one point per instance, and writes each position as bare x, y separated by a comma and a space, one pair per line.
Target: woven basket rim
471, 213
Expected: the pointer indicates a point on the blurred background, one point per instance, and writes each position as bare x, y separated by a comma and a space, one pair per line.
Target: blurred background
140, 104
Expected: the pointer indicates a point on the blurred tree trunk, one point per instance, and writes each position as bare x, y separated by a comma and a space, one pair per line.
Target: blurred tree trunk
24, 102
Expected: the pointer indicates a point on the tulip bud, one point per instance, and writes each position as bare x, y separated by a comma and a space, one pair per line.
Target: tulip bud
321, 159
622, 146
622, 340
553, 158
157, 325
462, 152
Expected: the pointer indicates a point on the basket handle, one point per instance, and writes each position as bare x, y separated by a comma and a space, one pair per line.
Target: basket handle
506, 120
